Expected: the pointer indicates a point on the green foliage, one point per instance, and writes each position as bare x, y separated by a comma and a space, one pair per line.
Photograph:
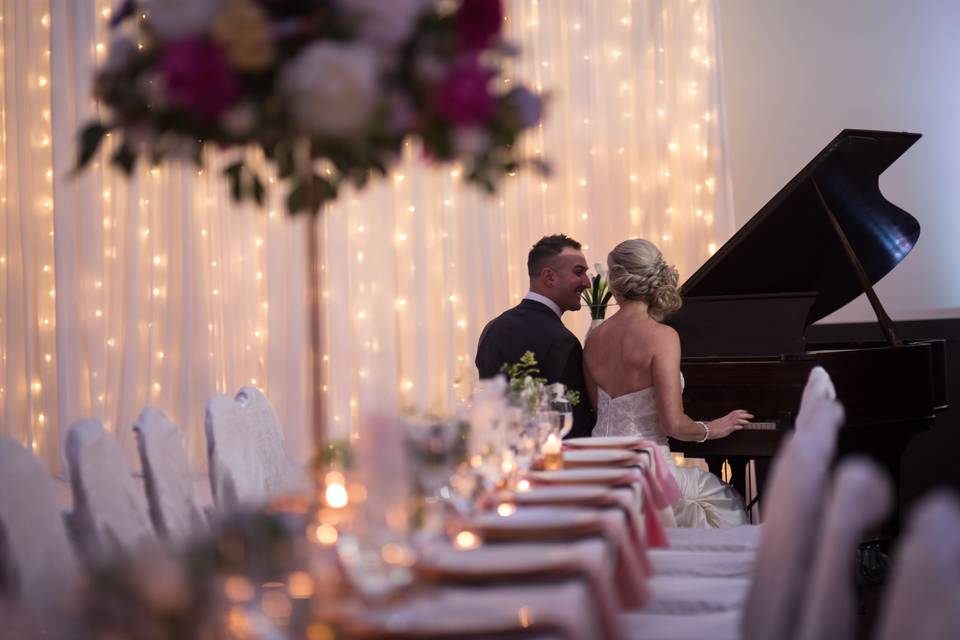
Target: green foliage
597, 297
525, 381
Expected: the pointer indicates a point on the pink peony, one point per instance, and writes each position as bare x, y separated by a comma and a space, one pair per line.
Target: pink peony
464, 97
478, 23
198, 77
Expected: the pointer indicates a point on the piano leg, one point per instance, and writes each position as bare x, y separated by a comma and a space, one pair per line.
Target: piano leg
738, 472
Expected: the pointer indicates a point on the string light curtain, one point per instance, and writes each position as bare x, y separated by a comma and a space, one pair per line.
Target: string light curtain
635, 131
116, 294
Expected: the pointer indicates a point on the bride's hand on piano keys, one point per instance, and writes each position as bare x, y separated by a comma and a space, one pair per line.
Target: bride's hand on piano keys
733, 421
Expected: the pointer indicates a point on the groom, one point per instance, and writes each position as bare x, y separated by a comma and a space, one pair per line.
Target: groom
558, 274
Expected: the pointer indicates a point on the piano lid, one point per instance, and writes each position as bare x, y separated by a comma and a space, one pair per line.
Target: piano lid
790, 245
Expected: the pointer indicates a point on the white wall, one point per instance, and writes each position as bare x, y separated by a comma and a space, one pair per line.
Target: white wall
797, 72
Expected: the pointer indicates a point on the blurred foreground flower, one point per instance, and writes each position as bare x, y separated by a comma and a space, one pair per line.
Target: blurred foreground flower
338, 86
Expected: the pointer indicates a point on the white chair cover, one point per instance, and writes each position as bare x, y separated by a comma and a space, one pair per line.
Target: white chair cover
704, 564
744, 538
922, 600
692, 595
819, 386
795, 502
797, 486
109, 508
722, 625
38, 557
245, 450
862, 496
171, 496
779, 576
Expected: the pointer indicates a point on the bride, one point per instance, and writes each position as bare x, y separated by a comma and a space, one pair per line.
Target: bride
632, 369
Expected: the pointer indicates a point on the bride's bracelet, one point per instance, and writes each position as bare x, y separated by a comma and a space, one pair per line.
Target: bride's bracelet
706, 430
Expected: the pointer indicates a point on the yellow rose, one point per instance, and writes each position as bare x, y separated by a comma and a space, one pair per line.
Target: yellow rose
243, 30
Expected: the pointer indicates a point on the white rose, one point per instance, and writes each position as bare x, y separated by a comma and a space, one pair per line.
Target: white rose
240, 119
470, 141
331, 88
384, 24
181, 18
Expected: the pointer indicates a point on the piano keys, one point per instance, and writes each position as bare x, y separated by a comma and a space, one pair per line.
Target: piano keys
824, 239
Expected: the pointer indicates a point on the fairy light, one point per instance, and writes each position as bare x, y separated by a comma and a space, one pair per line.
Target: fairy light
681, 172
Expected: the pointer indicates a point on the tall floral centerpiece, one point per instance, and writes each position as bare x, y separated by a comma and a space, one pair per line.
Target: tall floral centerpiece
327, 91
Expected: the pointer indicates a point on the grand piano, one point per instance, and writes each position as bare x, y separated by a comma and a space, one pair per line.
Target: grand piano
823, 240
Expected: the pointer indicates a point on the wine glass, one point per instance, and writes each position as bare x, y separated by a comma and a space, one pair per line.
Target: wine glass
548, 422
378, 564
435, 448
375, 548
565, 408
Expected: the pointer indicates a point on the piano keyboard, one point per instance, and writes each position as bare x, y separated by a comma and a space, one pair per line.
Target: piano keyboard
760, 426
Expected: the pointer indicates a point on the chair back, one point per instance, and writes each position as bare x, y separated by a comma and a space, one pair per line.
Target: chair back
922, 599
109, 507
245, 450
793, 505
40, 569
861, 497
171, 496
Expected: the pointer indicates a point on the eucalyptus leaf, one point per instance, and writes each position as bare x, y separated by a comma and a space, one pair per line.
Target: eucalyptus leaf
89, 141
124, 158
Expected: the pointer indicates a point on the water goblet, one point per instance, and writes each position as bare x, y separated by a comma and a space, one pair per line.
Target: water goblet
565, 408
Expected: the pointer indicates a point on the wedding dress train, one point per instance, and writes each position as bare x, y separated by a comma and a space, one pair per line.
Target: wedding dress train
705, 501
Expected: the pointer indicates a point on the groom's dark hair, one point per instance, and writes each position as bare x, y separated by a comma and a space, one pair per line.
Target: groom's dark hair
546, 248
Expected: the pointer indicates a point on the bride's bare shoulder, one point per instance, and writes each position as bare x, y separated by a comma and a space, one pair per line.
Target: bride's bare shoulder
596, 336
664, 335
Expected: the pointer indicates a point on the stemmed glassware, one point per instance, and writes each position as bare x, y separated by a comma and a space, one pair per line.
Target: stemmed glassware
555, 399
565, 408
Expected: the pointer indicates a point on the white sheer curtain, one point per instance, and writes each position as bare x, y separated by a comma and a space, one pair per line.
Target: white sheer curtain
635, 131
117, 294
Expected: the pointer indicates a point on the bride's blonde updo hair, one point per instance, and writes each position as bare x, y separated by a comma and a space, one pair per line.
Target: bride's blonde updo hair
638, 272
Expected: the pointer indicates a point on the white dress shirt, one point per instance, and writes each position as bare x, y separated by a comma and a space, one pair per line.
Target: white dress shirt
536, 297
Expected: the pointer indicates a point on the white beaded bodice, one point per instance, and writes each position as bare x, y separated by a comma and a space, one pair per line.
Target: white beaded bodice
632, 414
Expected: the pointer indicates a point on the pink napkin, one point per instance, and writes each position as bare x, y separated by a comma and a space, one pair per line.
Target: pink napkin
637, 496
656, 534
664, 490
631, 572
635, 527
452, 611
590, 556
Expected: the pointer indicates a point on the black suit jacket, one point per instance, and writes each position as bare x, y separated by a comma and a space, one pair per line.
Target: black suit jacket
532, 326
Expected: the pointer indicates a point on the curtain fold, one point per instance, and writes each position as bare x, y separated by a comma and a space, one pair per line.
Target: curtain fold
116, 294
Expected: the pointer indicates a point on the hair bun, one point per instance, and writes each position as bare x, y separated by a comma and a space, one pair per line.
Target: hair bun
639, 272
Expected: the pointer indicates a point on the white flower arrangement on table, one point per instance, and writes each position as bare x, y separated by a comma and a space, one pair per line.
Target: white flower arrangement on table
597, 297
328, 90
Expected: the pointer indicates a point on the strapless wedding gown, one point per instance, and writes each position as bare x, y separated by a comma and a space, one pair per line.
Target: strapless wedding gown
705, 501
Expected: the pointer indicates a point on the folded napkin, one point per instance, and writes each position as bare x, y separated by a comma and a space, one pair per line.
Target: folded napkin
744, 538
664, 488
590, 496
553, 524
525, 563
724, 625
565, 609
696, 595
705, 564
